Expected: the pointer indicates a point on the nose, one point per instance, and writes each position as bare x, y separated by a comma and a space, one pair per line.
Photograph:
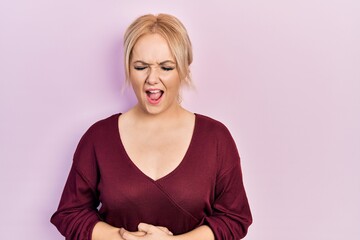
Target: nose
153, 76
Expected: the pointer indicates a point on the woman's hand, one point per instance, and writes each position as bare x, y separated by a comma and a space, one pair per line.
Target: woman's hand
147, 232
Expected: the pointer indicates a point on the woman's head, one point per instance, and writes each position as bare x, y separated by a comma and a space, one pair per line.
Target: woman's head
172, 30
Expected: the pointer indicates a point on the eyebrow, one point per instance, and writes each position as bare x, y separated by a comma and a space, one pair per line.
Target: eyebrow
161, 63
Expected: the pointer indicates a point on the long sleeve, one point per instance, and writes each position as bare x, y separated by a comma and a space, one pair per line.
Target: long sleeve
77, 212
231, 215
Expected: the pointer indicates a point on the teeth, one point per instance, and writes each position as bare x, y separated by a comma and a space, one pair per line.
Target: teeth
154, 91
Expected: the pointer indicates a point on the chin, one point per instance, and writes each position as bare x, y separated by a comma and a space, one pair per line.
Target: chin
152, 110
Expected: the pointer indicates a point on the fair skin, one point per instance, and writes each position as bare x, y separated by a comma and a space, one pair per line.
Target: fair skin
160, 126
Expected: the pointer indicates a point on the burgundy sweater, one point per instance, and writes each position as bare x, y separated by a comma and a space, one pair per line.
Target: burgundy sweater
205, 189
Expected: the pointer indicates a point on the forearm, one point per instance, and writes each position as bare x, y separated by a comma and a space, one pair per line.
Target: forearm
104, 231
203, 232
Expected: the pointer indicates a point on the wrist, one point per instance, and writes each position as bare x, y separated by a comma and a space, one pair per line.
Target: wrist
176, 237
172, 237
104, 231
203, 232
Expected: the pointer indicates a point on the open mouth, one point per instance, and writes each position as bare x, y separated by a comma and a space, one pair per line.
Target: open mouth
154, 96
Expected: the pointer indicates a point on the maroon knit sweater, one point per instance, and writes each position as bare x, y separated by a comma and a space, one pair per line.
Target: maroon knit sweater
205, 189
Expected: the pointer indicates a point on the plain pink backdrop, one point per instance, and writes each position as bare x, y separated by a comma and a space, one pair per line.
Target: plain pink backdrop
284, 76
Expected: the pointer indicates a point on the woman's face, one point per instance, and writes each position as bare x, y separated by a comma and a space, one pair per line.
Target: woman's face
154, 75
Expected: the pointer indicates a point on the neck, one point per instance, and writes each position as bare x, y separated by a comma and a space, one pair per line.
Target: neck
169, 116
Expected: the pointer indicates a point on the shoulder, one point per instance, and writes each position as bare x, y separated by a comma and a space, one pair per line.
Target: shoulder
103, 125
215, 132
100, 130
212, 126
97, 135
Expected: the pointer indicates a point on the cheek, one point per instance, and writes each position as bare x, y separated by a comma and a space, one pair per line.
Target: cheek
171, 79
136, 79
136, 85
174, 83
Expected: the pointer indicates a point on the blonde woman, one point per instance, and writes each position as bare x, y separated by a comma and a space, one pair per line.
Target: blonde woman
159, 171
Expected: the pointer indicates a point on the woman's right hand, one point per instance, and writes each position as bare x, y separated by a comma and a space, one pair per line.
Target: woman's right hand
149, 231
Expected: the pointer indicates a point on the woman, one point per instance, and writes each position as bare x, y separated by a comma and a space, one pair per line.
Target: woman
159, 171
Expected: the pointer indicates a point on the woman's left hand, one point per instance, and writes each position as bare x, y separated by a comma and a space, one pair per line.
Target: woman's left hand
151, 233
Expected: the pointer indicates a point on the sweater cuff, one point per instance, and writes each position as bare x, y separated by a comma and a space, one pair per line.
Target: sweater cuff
94, 220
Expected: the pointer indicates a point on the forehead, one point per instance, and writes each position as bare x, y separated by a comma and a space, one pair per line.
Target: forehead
152, 48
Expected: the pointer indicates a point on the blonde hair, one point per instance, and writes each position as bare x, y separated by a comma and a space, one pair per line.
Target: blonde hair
172, 30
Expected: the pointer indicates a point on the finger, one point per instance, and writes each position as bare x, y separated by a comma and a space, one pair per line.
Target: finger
129, 235
138, 233
144, 227
165, 230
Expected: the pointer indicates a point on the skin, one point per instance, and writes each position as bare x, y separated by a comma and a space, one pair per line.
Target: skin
163, 129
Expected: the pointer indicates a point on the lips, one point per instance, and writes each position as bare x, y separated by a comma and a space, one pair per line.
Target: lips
154, 95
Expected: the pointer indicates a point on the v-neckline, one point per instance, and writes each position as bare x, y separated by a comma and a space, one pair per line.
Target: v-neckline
169, 174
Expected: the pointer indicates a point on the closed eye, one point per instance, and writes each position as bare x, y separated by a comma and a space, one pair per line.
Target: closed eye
167, 68
139, 68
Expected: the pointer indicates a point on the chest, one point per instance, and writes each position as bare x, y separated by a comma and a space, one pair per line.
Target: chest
157, 153
155, 171
191, 184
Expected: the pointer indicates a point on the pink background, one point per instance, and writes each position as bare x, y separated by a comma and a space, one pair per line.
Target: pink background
284, 76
